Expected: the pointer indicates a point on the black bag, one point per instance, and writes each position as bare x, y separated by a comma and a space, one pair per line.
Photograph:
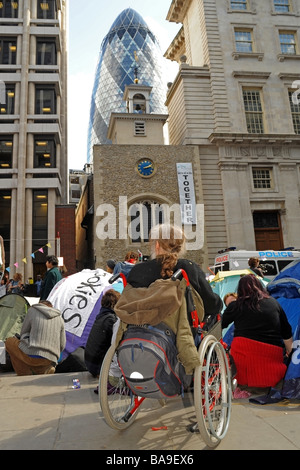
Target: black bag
147, 356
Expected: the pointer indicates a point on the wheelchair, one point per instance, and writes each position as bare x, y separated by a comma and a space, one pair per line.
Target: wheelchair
212, 386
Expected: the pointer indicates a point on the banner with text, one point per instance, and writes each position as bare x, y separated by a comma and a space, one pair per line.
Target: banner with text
187, 193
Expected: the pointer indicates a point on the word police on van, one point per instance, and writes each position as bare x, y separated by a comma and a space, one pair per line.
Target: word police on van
271, 262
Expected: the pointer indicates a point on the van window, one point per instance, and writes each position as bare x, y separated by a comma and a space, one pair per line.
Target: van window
283, 263
224, 267
269, 268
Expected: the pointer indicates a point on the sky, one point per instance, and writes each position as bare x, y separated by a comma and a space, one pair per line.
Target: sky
89, 22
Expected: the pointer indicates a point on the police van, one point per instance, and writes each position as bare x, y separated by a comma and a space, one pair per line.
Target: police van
271, 262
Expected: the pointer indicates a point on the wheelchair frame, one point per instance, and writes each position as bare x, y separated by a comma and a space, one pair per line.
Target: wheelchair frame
212, 388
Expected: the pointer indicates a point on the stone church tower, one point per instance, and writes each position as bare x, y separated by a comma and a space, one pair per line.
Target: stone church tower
139, 181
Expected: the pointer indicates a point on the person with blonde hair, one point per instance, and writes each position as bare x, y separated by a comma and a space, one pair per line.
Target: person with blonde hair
167, 245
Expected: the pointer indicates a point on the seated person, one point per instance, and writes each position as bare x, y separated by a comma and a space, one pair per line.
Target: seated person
261, 330
124, 267
146, 300
254, 266
99, 339
42, 340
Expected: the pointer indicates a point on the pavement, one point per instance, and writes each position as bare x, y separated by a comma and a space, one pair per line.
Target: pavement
46, 413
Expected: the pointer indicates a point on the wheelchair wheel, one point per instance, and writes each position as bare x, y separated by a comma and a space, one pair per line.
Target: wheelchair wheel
212, 391
118, 404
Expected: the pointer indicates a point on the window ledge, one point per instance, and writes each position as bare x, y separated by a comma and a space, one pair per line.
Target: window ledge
249, 12
284, 13
282, 57
248, 55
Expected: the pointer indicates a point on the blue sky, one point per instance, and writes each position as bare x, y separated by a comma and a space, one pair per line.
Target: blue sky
89, 22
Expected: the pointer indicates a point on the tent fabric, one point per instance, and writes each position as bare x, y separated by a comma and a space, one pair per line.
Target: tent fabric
78, 297
13, 308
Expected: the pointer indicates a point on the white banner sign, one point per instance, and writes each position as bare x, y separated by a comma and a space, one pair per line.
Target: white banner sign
187, 193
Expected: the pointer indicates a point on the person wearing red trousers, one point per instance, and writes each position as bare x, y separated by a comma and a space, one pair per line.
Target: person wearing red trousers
262, 335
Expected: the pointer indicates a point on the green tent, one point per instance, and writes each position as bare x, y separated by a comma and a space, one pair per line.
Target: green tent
13, 308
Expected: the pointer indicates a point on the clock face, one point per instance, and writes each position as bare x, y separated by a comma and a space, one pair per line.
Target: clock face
145, 167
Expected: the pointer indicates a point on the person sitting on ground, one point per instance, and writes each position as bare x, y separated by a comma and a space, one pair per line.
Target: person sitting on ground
254, 266
52, 276
261, 331
99, 339
229, 297
15, 285
167, 244
124, 267
42, 340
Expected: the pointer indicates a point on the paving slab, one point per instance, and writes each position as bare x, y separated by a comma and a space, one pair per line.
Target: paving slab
46, 413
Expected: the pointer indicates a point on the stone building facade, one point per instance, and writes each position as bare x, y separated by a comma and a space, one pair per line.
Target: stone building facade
235, 98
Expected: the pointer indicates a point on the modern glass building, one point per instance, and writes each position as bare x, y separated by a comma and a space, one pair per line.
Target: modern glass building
128, 51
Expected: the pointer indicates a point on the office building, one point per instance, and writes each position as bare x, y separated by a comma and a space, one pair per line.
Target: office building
129, 51
236, 98
33, 129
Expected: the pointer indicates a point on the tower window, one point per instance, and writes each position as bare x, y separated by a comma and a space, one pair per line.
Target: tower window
8, 9
44, 153
8, 51
139, 128
8, 107
6, 152
46, 10
46, 52
45, 102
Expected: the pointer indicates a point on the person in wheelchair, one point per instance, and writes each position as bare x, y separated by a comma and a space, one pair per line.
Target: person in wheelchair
146, 299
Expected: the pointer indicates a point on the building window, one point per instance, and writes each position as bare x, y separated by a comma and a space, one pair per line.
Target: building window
139, 128
295, 110
8, 51
239, 4
262, 178
6, 152
287, 42
44, 152
9, 106
243, 40
46, 10
46, 53
5, 211
282, 6
254, 111
8, 9
45, 100
39, 223
144, 215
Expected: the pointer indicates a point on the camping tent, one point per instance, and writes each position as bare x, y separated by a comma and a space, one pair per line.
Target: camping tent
13, 308
286, 289
78, 297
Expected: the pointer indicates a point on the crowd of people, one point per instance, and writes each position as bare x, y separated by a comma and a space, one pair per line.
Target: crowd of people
262, 334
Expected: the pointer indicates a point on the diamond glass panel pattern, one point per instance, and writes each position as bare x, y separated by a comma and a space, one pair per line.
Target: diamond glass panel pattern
128, 38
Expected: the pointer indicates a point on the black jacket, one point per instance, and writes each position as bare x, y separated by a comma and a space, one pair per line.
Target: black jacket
144, 274
99, 340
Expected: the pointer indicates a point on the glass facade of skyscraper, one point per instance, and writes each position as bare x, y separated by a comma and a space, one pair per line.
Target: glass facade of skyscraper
129, 50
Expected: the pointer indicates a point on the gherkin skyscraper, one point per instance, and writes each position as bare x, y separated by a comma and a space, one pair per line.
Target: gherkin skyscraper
128, 51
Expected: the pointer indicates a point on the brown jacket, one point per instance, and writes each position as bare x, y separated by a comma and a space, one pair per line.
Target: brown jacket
163, 300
